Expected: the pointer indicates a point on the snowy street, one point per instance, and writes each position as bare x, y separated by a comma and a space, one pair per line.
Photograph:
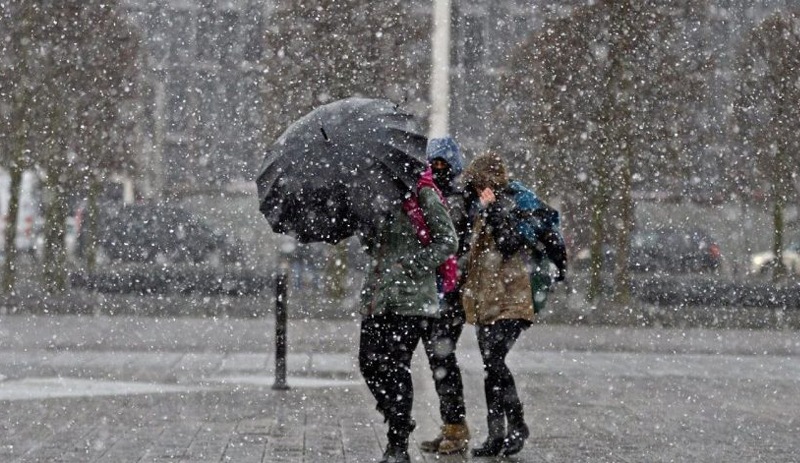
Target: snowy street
86, 389
610, 188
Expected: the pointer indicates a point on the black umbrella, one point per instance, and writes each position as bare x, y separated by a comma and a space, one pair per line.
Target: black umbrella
339, 169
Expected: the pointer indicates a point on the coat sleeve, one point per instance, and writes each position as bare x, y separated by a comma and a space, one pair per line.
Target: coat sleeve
444, 242
458, 213
503, 227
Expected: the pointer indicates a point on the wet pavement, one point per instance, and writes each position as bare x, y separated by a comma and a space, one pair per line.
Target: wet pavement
145, 389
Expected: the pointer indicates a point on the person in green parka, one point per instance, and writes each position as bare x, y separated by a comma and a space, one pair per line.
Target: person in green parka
398, 299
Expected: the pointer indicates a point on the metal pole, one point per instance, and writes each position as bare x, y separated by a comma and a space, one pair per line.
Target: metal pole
280, 331
440, 71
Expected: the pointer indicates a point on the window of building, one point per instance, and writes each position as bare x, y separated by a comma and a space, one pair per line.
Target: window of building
254, 41
158, 42
181, 38
177, 105
177, 167
473, 42
208, 101
228, 32
207, 36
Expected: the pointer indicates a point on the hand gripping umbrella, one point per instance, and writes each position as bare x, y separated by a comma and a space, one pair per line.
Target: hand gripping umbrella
340, 169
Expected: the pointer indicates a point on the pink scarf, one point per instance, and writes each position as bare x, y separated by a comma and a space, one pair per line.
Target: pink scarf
448, 271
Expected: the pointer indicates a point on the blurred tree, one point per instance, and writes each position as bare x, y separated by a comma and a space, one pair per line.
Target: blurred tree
319, 51
75, 65
91, 55
597, 103
768, 113
103, 129
19, 87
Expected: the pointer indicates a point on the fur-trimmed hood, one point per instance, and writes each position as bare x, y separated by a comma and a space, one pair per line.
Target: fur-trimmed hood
487, 170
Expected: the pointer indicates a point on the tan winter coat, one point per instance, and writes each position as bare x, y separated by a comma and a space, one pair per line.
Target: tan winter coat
495, 289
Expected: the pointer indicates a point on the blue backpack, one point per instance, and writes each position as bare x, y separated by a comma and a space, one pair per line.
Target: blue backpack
539, 225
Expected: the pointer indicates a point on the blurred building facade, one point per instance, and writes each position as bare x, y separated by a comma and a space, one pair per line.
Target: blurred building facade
200, 114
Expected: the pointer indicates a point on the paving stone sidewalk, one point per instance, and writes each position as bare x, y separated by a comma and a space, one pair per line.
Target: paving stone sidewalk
141, 389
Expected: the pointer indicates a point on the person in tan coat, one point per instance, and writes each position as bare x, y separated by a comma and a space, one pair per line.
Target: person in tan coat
497, 298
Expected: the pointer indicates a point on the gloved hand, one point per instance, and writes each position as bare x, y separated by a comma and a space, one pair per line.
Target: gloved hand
562, 274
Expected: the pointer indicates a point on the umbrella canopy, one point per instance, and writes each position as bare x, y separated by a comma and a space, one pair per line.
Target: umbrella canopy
340, 169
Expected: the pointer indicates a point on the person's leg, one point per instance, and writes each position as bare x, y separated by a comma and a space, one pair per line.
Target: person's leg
502, 400
508, 332
439, 341
495, 416
497, 340
386, 365
429, 340
373, 347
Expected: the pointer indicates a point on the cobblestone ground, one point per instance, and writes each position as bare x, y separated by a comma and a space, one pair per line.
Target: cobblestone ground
140, 389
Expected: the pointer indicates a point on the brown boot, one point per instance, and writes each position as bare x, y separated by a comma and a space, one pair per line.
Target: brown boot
455, 438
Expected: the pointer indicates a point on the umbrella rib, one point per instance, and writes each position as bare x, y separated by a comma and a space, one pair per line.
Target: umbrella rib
405, 100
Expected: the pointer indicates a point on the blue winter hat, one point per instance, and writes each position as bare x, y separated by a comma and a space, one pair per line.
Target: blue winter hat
446, 148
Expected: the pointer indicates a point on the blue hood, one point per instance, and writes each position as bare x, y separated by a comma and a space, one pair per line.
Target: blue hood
446, 148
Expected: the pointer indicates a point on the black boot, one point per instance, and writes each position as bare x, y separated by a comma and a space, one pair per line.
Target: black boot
395, 454
397, 449
515, 439
494, 443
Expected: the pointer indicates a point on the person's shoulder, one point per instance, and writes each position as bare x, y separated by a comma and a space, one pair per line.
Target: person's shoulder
516, 186
455, 192
427, 194
523, 196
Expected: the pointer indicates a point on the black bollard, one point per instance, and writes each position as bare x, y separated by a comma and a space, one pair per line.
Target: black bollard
281, 281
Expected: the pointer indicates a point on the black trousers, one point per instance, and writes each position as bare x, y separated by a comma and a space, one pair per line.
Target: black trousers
495, 341
439, 340
386, 346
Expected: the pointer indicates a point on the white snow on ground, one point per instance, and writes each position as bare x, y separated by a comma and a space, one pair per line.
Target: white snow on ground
291, 381
47, 388
50, 388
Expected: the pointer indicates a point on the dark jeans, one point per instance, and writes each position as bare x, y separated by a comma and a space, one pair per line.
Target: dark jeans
495, 341
386, 347
439, 340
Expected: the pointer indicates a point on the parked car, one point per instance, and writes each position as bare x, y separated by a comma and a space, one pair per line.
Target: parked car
664, 250
764, 262
674, 250
157, 233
